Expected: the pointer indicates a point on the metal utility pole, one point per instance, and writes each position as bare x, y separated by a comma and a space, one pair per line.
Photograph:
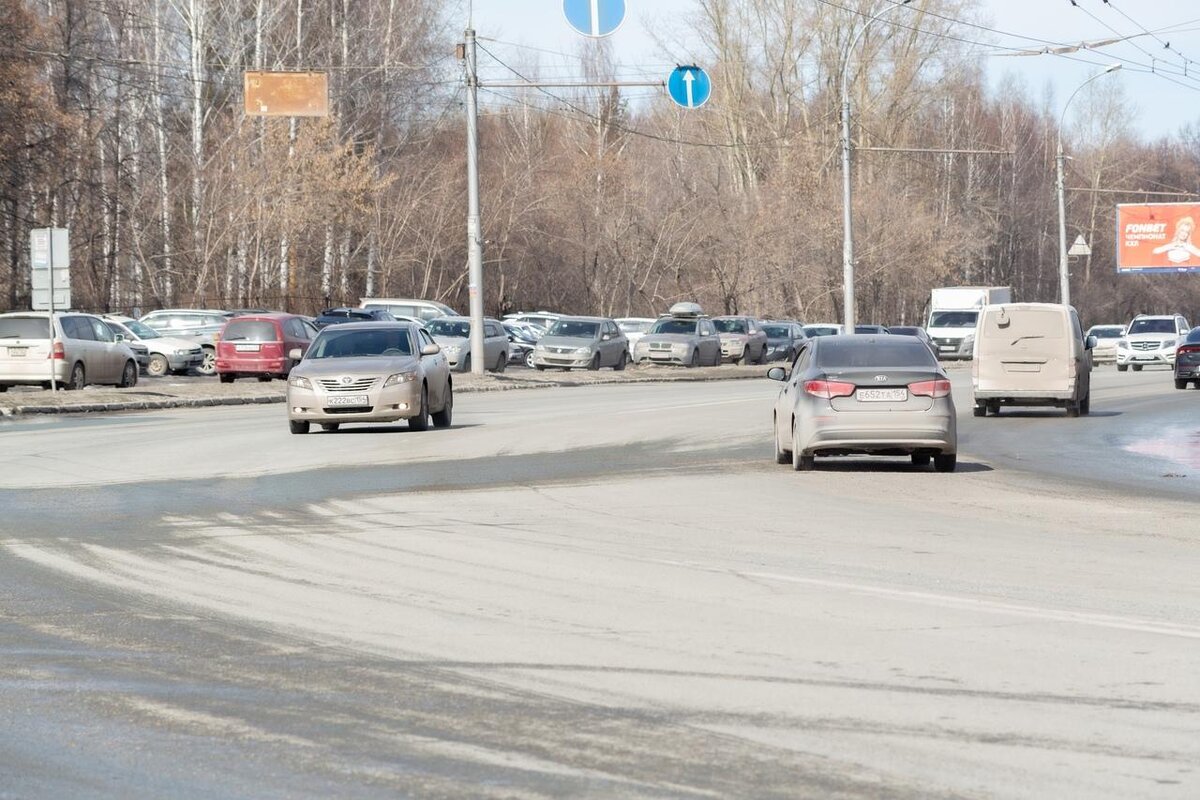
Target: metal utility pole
474, 229
847, 190
1064, 266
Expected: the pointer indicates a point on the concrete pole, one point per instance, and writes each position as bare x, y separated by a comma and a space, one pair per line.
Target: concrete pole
474, 228
848, 301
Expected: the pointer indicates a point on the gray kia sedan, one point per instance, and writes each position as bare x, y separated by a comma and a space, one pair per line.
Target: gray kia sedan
865, 395
370, 372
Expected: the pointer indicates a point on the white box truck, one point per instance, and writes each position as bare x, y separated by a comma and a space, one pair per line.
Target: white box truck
954, 313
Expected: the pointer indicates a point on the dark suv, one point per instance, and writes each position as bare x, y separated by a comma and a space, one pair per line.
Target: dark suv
1187, 361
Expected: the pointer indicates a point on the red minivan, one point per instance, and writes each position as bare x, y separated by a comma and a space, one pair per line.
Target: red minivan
257, 345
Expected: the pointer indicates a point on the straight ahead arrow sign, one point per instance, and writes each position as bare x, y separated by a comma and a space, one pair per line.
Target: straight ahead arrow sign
688, 79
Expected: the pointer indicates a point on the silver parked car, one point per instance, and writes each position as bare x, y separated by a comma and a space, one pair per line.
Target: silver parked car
370, 372
80, 349
582, 343
742, 339
424, 310
865, 395
198, 326
684, 337
454, 336
166, 353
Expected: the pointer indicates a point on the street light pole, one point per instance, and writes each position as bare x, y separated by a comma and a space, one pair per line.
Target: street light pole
1064, 267
474, 226
847, 189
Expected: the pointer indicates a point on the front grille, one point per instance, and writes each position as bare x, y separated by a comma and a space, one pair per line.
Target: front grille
1146, 345
659, 346
562, 351
947, 342
350, 410
336, 386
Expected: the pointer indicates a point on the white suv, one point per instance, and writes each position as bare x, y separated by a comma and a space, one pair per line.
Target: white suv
1151, 341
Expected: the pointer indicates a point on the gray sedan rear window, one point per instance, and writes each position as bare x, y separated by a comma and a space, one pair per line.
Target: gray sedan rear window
904, 352
24, 328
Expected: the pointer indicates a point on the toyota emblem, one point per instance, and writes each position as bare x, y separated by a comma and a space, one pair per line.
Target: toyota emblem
347, 380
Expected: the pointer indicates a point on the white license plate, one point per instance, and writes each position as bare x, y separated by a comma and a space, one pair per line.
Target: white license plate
881, 395
18, 352
246, 348
661, 356
348, 400
947, 348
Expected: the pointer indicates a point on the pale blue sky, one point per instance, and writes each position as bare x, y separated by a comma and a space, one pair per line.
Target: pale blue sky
1165, 105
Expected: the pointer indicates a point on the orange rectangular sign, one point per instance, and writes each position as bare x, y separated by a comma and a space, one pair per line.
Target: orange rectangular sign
287, 94
1158, 237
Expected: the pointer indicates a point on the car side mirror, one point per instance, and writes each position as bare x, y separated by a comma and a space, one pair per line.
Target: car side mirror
295, 354
118, 337
431, 350
605, 337
1090, 342
777, 374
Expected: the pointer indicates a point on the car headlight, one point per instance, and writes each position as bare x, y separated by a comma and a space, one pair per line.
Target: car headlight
400, 378
541, 348
1123, 344
679, 348
583, 351
300, 382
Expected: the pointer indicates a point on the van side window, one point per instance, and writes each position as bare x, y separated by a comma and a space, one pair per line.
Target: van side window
100, 331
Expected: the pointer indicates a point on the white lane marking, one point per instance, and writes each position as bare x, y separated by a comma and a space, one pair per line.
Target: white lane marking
955, 602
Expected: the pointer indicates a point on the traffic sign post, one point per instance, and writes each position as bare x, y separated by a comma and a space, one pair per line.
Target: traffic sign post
595, 18
50, 277
689, 86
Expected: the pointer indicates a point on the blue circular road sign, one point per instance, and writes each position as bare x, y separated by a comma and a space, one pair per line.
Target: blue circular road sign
595, 17
689, 86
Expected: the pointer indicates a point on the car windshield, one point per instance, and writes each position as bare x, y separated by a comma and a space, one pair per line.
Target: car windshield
450, 329
820, 330
777, 331
250, 331
905, 330
24, 328
899, 352
687, 327
634, 327
142, 330
1152, 326
730, 325
868, 329
1107, 332
953, 319
387, 343
574, 329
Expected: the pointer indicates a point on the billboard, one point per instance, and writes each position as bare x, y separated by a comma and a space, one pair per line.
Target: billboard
1158, 237
286, 94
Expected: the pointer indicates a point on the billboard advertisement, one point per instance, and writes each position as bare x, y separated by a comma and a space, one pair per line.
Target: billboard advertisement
1158, 237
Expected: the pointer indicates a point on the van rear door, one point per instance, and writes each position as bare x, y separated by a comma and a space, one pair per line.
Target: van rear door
1025, 350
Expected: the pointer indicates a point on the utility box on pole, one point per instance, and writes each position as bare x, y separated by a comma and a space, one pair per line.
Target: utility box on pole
50, 269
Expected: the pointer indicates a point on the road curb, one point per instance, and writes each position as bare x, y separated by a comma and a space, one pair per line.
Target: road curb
494, 383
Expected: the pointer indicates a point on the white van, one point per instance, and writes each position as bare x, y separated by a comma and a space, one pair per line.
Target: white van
1032, 354
424, 310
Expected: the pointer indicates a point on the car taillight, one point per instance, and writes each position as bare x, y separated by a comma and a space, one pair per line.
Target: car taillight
1188, 350
57, 352
930, 388
829, 389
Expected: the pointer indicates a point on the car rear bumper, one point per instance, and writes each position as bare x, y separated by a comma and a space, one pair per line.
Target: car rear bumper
852, 433
1039, 397
33, 373
249, 366
383, 405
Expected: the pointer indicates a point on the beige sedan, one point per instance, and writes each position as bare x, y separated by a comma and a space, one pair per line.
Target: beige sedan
370, 372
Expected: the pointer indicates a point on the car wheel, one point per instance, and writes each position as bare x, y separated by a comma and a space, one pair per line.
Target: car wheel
762, 355
921, 459
265, 379
1085, 405
801, 462
297, 426
421, 421
129, 376
78, 379
466, 364
980, 411
622, 362
227, 377
158, 366
445, 417
781, 456
1122, 367
529, 360
331, 427
994, 409
540, 367
501, 363
1137, 367
945, 462
695, 362
745, 360
3, 388
595, 365
209, 365
1180, 384
1072, 409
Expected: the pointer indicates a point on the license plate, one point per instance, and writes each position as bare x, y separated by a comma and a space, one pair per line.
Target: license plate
18, 352
881, 395
947, 348
246, 348
661, 356
348, 400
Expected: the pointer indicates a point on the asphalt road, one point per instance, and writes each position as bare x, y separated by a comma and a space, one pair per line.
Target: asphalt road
600, 592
